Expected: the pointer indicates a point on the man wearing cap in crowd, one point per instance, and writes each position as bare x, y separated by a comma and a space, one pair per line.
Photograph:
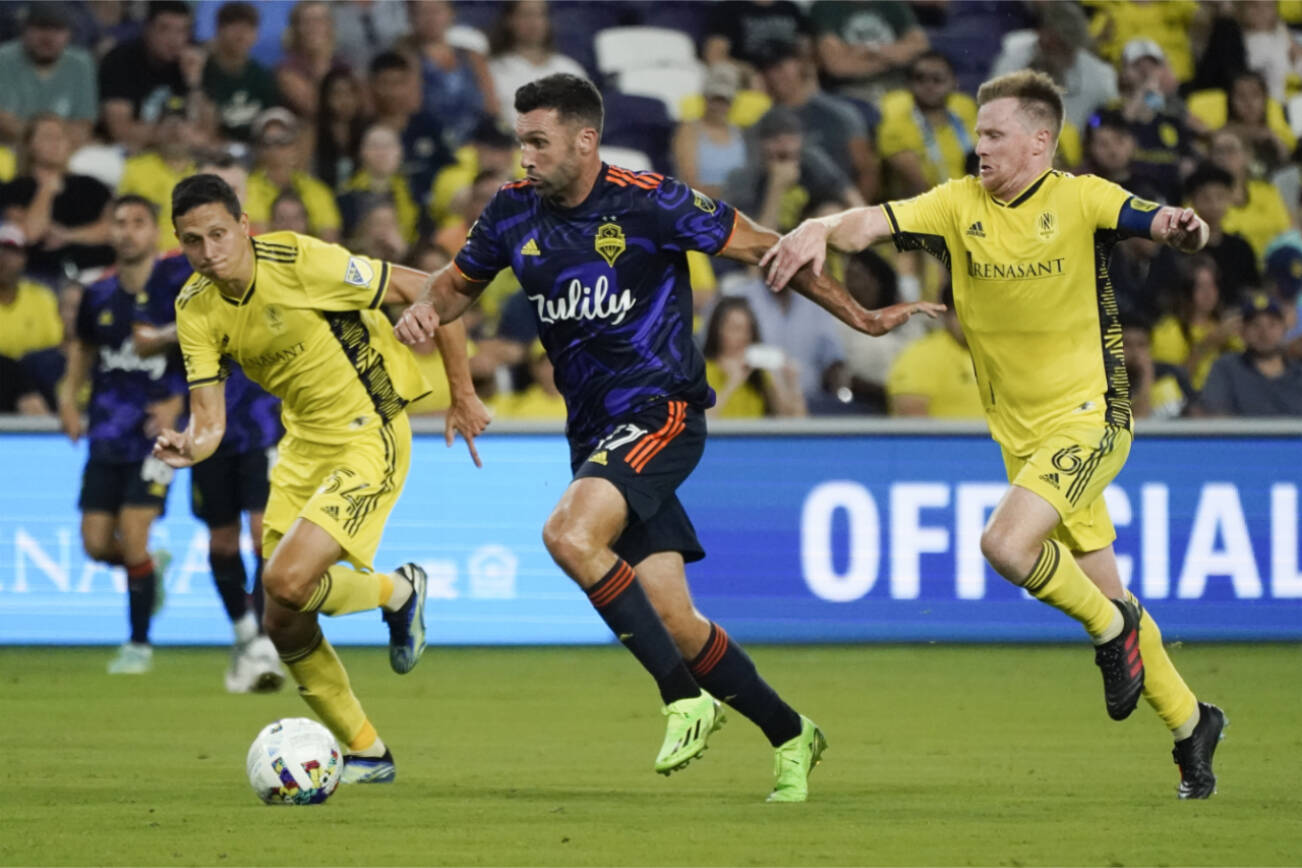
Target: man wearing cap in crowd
1152, 110
830, 123
153, 173
1061, 48
1262, 380
789, 175
278, 168
30, 327
42, 73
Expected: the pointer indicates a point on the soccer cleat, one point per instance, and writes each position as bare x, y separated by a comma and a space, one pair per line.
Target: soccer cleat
254, 667
1194, 754
688, 730
162, 559
794, 760
1122, 665
369, 769
133, 658
407, 625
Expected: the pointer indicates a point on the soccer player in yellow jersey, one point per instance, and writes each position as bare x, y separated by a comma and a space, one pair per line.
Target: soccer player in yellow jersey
301, 317
1028, 250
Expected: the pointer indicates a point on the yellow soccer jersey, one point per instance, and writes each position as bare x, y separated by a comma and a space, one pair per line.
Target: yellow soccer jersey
308, 331
1032, 292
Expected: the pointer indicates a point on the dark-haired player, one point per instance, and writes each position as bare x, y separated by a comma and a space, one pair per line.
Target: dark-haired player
132, 399
601, 254
234, 481
302, 318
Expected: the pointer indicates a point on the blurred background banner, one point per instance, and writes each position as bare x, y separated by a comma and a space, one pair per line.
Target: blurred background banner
814, 533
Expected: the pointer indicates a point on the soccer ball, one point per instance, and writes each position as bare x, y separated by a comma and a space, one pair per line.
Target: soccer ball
294, 761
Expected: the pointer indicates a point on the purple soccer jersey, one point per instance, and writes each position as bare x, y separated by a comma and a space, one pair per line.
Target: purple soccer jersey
252, 413
607, 282
122, 383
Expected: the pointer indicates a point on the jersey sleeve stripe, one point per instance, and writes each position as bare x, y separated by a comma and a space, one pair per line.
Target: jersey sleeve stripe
736, 218
384, 285
890, 217
204, 381
468, 277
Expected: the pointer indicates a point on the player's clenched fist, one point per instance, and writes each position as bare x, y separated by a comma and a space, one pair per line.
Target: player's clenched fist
418, 323
173, 448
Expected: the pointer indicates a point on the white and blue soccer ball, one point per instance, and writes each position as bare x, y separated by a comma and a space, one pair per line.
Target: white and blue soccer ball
295, 761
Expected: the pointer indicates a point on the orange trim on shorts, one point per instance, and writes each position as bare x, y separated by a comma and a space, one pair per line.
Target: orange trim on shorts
651, 445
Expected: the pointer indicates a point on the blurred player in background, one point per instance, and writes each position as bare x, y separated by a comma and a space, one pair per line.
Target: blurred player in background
601, 254
234, 481
302, 318
1028, 250
132, 399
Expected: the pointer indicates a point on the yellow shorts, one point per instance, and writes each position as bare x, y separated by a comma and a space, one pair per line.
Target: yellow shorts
347, 489
1070, 469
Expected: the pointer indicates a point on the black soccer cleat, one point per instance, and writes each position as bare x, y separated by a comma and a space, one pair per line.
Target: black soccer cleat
1194, 754
1122, 665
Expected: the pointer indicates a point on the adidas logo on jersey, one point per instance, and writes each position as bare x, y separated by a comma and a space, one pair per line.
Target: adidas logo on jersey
1051, 478
331, 510
976, 230
530, 248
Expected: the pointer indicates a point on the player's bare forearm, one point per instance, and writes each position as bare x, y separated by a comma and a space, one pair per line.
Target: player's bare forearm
204, 434
150, 340
451, 340
445, 295
848, 231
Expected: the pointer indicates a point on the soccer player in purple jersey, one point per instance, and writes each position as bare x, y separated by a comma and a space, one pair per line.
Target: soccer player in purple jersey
235, 480
601, 254
123, 488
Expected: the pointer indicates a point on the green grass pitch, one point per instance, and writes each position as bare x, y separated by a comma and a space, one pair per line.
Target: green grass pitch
959, 755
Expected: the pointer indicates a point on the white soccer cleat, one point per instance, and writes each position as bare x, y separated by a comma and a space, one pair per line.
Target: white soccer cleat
254, 667
133, 658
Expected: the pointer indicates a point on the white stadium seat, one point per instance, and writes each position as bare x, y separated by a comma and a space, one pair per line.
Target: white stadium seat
621, 48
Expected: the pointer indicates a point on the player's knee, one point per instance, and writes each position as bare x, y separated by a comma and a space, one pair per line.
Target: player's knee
1000, 551
567, 546
288, 584
98, 549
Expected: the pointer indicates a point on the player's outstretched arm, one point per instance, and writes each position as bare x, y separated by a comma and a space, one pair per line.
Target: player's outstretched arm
1181, 228
467, 416
202, 437
750, 241
849, 231
150, 340
81, 358
443, 296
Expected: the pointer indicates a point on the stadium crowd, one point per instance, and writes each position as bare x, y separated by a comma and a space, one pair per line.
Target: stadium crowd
386, 126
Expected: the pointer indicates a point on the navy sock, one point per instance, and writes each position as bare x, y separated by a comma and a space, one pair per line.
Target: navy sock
624, 606
259, 603
229, 576
140, 599
728, 673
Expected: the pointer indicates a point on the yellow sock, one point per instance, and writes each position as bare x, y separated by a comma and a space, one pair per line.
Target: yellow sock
1058, 580
323, 684
1164, 689
342, 590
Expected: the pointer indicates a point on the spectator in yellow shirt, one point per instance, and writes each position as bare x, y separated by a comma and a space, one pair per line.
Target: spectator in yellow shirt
933, 376
750, 380
926, 135
381, 160
1196, 336
153, 173
1257, 210
277, 169
30, 327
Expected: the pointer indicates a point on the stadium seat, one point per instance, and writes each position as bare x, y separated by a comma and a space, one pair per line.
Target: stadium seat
1293, 110
640, 123
672, 85
621, 48
627, 158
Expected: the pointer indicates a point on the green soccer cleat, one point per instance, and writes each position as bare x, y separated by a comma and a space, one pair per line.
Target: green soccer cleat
793, 760
688, 730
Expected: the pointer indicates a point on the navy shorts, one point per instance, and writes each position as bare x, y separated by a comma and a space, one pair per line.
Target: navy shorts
107, 486
230, 483
647, 456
